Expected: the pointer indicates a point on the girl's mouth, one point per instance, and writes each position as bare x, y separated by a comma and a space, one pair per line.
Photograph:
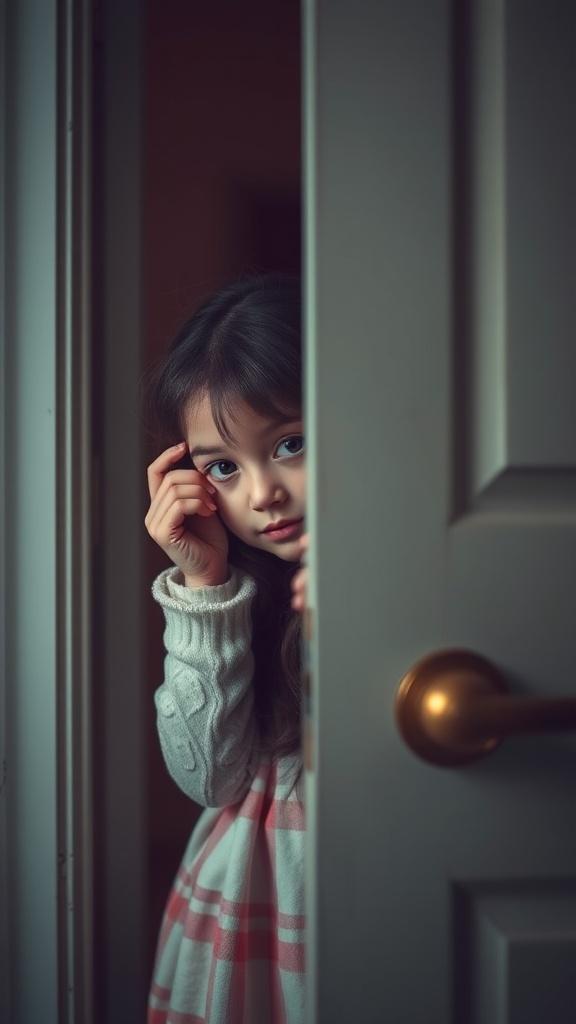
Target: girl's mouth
284, 532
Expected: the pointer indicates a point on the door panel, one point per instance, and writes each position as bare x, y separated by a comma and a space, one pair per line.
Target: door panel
512, 971
440, 316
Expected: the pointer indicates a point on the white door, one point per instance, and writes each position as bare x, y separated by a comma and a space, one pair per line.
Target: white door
441, 401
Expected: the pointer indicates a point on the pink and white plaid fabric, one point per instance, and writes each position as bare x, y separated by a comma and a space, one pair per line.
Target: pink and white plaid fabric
232, 943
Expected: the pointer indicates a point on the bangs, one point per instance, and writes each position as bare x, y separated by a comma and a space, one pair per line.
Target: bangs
271, 391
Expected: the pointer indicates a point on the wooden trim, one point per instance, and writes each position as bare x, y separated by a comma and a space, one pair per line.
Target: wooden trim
4, 886
124, 687
75, 552
30, 792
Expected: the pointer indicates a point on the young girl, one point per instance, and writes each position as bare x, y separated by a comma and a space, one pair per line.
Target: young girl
228, 508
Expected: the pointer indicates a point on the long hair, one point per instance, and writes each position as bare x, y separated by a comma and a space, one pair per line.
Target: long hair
244, 343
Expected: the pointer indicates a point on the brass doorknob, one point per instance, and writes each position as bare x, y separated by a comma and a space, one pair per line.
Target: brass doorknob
453, 707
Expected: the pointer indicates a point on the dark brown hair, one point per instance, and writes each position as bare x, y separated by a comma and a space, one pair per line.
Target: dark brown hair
244, 342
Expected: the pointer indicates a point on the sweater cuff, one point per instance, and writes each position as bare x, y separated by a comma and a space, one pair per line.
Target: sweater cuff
203, 615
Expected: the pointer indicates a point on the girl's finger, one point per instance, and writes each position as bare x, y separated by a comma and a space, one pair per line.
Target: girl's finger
303, 543
299, 597
174, 516
165, 500
299, 594
299, 578
157, 470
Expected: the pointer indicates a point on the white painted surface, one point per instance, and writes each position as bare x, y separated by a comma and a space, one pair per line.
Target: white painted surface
443, 502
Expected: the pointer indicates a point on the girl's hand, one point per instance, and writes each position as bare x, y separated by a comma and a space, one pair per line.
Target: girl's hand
300, 579
182, 519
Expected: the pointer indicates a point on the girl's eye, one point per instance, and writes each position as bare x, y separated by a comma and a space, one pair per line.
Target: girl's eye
298, 438
290, 440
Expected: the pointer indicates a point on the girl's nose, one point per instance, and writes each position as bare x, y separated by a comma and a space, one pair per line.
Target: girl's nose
265, 492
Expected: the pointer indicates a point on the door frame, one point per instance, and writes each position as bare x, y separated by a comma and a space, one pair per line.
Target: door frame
58, 570
122, 688
45, 553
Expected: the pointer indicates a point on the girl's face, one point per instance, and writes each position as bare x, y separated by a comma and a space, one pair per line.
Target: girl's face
260, 480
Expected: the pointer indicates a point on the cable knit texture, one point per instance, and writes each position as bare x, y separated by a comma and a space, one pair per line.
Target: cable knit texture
205, 720
231, 946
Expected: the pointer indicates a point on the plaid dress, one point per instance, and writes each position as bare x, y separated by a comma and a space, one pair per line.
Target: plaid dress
232, 942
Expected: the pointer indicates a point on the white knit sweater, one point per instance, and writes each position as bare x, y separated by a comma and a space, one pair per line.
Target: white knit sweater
232, 944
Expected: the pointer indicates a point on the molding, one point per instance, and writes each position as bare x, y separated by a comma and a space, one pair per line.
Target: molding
124, 686
75, 554
30, 793
46, 562
5, 1013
